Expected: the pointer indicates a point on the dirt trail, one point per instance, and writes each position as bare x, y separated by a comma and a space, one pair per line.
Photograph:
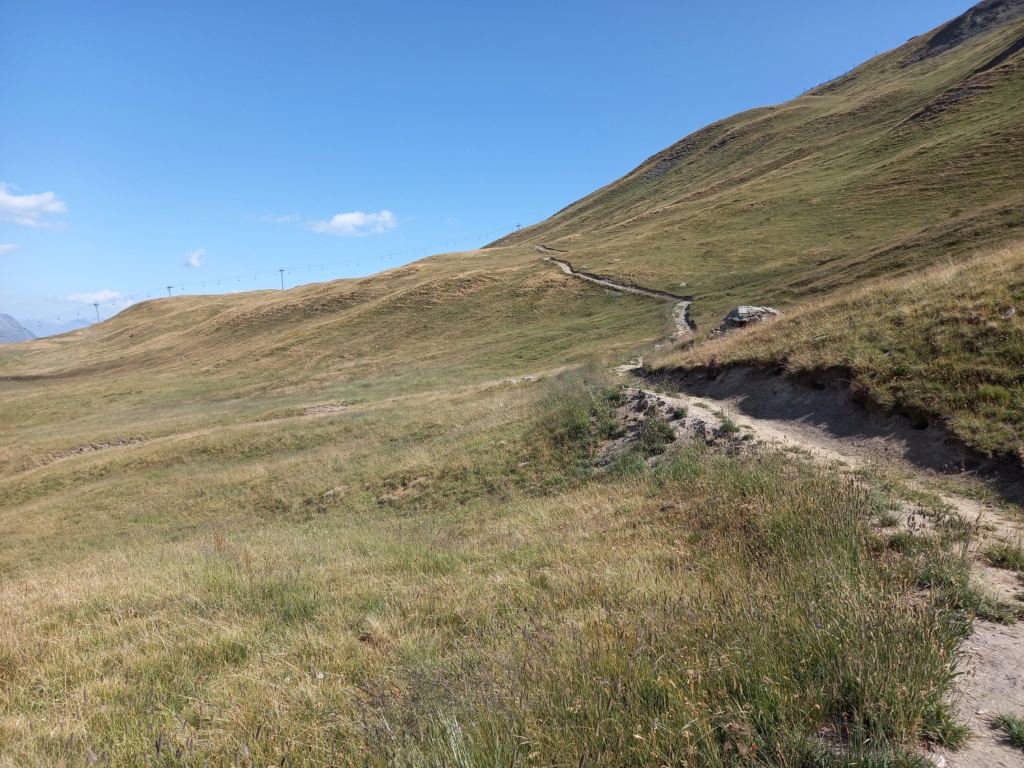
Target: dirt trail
680, 311
992, 670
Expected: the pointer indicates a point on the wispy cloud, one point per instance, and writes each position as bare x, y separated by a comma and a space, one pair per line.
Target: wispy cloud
100, 297
196, 258
7, 248
28, 210
278, 219
355, 224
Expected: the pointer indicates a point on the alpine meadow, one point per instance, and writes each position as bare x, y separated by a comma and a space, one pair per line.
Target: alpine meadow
528, 505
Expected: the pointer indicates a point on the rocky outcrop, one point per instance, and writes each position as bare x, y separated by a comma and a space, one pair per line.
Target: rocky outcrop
739, 317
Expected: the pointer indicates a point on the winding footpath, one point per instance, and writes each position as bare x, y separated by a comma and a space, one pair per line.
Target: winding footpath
681, 304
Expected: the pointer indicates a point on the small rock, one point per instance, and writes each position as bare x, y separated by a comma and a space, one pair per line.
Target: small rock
739, 317
1008, 313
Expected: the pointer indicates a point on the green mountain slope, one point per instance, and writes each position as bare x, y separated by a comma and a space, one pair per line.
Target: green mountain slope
913, 157
365, 522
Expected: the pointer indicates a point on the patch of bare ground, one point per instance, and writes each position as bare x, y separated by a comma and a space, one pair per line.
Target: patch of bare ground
317, 410
822, 411
826, 425
992, 683
688, 421
993, 665
79, 450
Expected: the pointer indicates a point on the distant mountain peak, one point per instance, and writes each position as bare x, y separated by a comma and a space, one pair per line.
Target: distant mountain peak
11, 330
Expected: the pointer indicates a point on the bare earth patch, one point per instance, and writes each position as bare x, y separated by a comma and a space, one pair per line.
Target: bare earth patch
316, 410
992, 683
90, 448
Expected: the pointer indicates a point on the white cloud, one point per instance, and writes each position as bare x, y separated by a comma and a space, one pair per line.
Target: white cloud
196, 258
7, 248
278, 219
355, 224
27, 210
99, 296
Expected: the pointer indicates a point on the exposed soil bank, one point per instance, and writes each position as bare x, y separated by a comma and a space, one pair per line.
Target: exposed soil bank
824, 403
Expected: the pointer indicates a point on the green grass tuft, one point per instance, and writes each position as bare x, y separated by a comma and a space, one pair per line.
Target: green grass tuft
578, 413
940, 727
1006, 556
1013, 727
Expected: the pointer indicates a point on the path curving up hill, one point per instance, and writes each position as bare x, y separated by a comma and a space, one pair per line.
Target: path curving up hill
680, 311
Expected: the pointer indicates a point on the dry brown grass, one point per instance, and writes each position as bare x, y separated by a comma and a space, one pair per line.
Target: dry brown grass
466, 594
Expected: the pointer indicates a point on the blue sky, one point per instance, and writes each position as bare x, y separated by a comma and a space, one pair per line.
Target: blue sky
205, 145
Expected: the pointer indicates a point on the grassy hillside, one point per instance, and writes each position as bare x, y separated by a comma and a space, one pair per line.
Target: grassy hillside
443, 578
195, 570
914, 157
363, 523
177, 364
